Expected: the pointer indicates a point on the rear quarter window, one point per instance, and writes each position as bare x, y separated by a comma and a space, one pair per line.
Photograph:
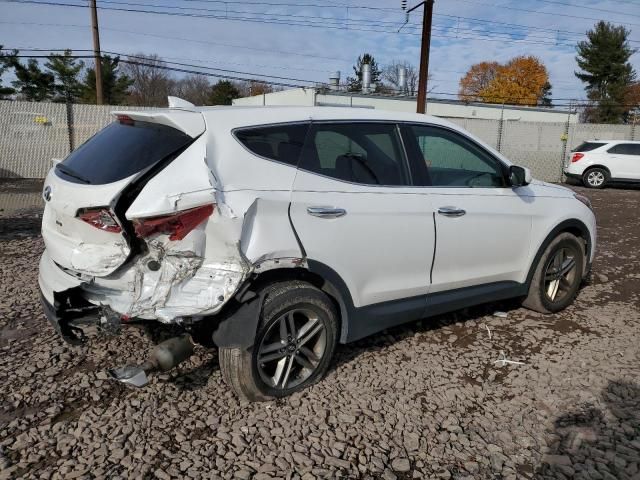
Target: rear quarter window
588, 146
120, 150
282, 143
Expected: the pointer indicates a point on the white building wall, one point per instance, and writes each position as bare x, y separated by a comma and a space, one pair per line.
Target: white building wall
310, 96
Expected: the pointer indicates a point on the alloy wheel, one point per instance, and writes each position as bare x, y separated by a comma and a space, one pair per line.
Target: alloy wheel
291, 349
595, 178
560, 275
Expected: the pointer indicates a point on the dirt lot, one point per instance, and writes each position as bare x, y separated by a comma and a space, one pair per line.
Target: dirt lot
424, 400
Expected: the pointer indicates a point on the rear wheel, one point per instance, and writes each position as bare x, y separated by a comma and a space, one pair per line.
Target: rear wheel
294, 344
595, 178
558, 275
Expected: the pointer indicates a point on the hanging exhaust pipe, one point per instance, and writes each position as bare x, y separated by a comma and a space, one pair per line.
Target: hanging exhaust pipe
164, 357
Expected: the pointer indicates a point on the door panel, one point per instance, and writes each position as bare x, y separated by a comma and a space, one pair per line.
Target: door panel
354, 210
382, 246
482, 224
488, 243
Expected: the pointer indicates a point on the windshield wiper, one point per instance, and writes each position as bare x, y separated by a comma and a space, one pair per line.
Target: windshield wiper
71, 173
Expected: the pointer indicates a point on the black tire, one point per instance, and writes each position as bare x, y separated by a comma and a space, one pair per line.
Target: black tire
297, 302
541, 289
595, 178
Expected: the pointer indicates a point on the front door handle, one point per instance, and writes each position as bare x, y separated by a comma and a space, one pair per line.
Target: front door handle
326, 212
451, 211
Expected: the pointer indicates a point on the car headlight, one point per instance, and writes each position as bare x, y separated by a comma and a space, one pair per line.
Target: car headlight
584, 200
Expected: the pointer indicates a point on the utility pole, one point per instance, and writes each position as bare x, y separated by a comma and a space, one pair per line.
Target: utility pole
96, 52
427, 15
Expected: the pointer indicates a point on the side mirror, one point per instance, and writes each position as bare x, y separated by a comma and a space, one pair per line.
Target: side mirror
519, 176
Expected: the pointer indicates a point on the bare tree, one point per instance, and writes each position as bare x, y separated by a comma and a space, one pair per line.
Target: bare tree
151, 82
193, 88
391, 77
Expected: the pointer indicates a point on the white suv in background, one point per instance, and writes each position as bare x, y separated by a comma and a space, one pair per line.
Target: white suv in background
275, 233
601, 162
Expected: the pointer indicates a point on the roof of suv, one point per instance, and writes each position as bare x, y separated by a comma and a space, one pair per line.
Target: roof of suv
612, 141
238, 116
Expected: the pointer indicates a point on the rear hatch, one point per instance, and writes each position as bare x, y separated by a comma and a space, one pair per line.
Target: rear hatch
81, 229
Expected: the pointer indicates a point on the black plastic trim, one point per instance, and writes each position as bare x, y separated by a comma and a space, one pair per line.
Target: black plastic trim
360, 322
561, 227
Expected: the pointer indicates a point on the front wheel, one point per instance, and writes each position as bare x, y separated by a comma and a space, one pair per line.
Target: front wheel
558, 275
293, 346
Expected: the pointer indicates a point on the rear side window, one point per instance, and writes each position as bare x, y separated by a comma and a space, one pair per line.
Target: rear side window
282, 143
367, 153
120, 150
587, 146
625, 149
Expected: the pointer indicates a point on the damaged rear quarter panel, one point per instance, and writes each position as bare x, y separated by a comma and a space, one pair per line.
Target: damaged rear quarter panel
248, 230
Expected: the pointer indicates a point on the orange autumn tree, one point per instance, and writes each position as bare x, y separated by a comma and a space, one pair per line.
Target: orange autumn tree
521, 81
476, 80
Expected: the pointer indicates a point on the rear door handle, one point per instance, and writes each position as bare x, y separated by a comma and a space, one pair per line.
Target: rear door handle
451, 211
326, 212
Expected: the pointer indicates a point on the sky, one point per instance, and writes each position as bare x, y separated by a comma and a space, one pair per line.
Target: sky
305, 40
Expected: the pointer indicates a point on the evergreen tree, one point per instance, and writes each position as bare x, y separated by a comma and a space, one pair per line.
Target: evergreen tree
5, 63
115, 85
606, 71
66, 69
32, 84
223, 92
355, 83
545, 96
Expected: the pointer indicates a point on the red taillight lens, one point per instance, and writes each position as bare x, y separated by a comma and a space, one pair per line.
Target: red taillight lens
576, 156
125, 119
101, 218
177, 226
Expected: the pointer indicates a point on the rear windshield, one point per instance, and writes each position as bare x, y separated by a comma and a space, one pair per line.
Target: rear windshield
587, 146
120, 150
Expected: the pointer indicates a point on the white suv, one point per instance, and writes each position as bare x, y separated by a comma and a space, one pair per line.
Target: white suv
601, 162
275, 233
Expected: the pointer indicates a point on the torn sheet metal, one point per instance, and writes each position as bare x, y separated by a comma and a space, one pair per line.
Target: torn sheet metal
102, 259
177, 279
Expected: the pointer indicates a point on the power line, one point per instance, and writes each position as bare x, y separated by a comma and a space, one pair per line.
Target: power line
555, 14
159, 64
206, 42
322, 24
584, 7
256, 77
183, 70
311, 21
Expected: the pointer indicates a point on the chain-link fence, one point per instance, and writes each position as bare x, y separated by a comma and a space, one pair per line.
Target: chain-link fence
32, 134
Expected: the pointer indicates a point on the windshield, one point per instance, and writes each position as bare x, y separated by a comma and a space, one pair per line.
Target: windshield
120, 150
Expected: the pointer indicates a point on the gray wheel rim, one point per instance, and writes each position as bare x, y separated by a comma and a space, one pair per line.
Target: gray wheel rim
595, 179
291, 349
560, 275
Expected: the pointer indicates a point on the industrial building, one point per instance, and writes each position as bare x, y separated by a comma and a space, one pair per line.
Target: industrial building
333, 94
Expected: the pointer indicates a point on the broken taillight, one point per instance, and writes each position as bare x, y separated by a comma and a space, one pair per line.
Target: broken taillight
576, 156
101, 218
125, 119
177, 225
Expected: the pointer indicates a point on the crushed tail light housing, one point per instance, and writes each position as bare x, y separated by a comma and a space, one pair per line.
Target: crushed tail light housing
101, 218
125, 119
576, 156
177, 225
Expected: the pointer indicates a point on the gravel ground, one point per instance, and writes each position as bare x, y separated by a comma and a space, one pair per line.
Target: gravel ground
424, 400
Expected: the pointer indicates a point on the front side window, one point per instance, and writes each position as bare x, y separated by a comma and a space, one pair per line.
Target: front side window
282, 143
454, 161
367, 153
625, 149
